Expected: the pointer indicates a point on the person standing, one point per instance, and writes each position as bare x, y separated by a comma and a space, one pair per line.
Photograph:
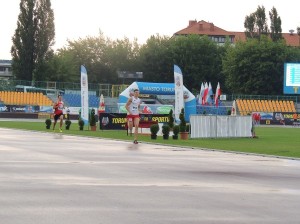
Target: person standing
295, 118
133, 114
58, 113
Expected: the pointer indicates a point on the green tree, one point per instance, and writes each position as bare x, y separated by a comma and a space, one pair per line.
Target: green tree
255, 67
249, 24
33, 39
100, 55
44, 38
276, 31
63, 67
256, 23
22, 51
156, 59
199, 58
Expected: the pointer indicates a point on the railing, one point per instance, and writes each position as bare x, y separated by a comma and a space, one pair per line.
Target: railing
261, 97
10, 85
111, 90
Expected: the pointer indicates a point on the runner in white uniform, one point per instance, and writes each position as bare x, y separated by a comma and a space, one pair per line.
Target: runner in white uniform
133, 114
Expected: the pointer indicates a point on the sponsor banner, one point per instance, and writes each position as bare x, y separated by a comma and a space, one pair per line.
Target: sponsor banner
84, 95
148, 108
117, 121
20, 108
277, 118
46, 109
178, 80
3, 108
73, 110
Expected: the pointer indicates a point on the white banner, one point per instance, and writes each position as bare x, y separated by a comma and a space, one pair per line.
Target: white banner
178, 80
84, 95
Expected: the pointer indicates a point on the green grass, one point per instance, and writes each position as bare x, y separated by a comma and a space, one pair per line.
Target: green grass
277, 141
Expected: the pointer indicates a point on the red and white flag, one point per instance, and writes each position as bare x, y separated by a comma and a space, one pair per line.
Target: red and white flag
218, 93
205, 93
233, 108
201, 94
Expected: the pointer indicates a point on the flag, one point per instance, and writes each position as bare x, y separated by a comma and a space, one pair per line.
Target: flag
201, 94
205, 92
209, 93
178, 80
84, 95
218, 93
233, 109
101, 108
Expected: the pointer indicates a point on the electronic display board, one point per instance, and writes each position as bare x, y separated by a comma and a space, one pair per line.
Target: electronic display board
291, 81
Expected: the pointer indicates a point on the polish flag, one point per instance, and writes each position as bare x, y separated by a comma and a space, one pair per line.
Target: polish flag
205, 93
218, 93
201, 93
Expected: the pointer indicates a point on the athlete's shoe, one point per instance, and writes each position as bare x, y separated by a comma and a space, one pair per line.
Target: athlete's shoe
60, 130
135, 142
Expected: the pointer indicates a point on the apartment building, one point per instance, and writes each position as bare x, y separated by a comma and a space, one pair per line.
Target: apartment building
219, 35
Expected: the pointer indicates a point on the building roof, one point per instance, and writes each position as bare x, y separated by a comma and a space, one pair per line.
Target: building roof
206, 28
202, 28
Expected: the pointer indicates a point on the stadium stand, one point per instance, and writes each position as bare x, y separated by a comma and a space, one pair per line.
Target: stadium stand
74, 100
20, 98
248, 106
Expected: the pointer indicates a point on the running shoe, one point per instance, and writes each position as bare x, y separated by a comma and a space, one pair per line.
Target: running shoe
60, 130
135, 142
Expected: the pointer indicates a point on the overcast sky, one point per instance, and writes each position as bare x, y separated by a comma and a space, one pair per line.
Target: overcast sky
141, 18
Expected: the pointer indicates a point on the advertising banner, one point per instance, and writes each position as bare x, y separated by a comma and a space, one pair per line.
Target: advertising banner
149, 108
178, 83
20, 108
276, 118
84, 95
109, 121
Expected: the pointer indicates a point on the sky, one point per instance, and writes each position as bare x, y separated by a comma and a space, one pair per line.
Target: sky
140, 19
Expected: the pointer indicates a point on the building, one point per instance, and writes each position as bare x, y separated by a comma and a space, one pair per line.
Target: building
5, 69
219, 35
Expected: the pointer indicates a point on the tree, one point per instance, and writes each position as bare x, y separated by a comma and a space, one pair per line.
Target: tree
276, 31
200, 60
44, 38
33, 39
156, 59
256, 23
249, 24
256, 66
22, 51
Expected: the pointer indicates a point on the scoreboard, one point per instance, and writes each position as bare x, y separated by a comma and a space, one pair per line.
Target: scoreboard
291, 81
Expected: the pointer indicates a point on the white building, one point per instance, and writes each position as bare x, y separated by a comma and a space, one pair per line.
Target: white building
5, 69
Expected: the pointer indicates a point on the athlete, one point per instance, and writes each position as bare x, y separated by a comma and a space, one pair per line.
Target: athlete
58, 112
133, 114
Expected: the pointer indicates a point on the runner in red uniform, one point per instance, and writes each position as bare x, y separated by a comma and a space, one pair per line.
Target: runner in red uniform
58, 112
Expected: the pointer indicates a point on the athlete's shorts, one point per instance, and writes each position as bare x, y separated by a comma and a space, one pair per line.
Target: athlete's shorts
131, 117
57, 116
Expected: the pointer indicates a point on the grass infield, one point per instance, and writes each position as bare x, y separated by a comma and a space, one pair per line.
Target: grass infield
276, 141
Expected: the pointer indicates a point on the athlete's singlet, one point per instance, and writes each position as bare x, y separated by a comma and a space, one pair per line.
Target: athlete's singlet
134, 106
59, 109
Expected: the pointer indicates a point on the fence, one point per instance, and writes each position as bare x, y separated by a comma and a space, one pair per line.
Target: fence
220, 126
